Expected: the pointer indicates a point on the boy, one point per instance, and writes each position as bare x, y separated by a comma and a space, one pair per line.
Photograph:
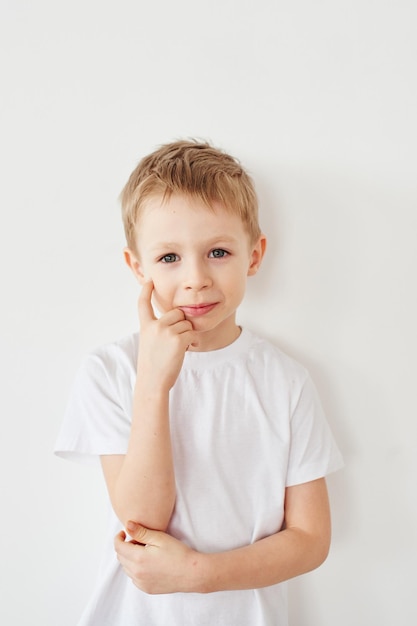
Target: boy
212, 441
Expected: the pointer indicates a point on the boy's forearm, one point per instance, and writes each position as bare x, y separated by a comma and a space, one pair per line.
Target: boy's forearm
269, 561
159, 563
145, 488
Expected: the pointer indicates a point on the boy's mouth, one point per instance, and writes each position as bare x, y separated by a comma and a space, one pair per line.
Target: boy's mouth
195, 310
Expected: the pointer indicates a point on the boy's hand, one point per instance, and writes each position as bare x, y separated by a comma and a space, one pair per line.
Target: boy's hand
155, 561
163, 342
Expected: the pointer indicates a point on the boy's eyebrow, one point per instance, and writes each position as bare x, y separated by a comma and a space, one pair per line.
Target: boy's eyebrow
210, 242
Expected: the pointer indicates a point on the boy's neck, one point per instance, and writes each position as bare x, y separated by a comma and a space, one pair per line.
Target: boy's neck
216, 339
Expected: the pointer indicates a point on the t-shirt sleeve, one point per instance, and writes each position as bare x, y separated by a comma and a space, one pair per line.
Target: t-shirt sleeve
97, 417
313, 451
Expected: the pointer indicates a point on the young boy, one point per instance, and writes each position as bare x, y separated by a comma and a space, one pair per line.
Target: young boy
212, 441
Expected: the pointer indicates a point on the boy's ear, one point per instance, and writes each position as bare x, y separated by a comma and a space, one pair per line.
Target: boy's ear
257, 255
132, 261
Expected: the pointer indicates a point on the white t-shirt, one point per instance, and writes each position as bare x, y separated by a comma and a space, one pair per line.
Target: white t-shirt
246, 423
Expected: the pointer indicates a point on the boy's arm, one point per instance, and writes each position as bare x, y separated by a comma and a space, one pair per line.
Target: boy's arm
141, 484
168, 566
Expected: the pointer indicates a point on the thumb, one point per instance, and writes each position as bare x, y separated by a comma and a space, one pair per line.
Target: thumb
139, 533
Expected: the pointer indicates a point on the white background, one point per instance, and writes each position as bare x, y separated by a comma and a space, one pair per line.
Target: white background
318, 100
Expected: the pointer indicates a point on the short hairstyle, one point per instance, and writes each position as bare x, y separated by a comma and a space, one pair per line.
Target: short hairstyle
195, 169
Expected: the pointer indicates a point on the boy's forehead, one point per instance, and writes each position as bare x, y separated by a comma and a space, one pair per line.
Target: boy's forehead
164, 220
163, 211
182, 201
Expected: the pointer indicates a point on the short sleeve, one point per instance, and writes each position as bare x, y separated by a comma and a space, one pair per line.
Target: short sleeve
97, 418
313, 450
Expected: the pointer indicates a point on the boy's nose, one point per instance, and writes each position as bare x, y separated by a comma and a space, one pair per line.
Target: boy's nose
196, 277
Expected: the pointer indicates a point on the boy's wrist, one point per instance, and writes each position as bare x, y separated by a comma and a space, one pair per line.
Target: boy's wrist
146, 387
202, 577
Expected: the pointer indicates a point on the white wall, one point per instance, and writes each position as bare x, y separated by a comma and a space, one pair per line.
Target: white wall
319, 101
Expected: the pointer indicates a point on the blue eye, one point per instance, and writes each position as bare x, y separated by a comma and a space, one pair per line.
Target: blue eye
218, 253
169, 258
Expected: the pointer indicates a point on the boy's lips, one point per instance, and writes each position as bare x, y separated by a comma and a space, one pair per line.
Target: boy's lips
195, 310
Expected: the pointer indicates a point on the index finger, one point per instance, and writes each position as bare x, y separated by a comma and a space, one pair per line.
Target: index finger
145, 308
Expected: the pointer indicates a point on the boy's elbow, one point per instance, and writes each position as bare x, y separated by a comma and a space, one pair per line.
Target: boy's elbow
149, 518
323, 553
320, 549
152, 522
313, 549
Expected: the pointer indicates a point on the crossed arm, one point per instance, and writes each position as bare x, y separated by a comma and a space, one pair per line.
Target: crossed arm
158, 563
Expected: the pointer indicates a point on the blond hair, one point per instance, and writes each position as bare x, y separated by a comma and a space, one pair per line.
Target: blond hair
195, 169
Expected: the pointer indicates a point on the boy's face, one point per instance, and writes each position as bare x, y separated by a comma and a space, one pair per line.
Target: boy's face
198, 260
